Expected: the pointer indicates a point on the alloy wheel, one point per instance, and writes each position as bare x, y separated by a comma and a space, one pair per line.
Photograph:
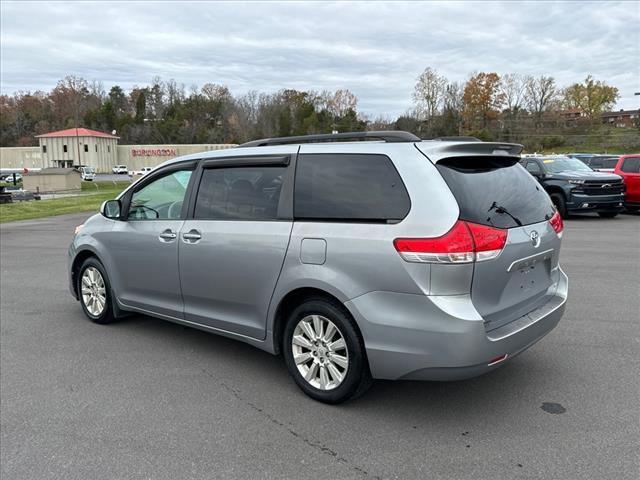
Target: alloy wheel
320, 352
93, 291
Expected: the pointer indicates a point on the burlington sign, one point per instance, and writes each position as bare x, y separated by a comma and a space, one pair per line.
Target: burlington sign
153, 152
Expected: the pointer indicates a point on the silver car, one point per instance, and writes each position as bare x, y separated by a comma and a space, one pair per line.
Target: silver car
387, 257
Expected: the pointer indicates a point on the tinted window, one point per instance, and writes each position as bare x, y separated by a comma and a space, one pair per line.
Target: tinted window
533, 167
603, 162
564, 164
161, 199
240, 193
495, 191
631, 165
349, 188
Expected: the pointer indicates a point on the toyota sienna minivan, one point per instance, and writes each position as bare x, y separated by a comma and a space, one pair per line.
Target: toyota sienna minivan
355, 256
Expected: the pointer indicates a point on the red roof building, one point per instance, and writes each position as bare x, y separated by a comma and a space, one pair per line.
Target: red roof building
77, 132
79, 146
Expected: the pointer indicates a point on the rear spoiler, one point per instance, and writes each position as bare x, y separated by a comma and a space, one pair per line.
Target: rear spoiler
438, 150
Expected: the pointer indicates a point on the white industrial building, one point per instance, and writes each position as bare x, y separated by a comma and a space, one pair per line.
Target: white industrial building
82, 146
79, 146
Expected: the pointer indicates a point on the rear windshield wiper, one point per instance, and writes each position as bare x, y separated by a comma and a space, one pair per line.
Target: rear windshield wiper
502, 210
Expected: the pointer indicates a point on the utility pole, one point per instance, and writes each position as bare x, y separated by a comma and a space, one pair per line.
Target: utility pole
77, 114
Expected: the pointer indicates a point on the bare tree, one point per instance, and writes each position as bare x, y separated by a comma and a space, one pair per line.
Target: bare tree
513, 87
541, 93
452, 98
342, 102
175, 92
428, 93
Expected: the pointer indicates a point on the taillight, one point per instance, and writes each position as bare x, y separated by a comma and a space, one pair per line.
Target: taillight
557, 224
464, 243
489, 241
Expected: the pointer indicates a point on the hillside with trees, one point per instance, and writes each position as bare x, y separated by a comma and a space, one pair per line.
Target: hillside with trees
531, 110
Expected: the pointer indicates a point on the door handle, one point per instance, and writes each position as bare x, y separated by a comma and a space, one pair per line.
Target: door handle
168, 235
192, 236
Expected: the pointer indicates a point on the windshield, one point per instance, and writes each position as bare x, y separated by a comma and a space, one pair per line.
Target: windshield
564, 164
89, 170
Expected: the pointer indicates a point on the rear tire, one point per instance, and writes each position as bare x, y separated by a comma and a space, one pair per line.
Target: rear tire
608, 214
94, 292
324, 352
560, 204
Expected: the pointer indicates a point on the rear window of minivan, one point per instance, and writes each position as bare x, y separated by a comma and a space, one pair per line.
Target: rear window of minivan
495, 191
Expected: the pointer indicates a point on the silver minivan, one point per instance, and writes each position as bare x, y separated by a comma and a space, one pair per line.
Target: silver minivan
354, 256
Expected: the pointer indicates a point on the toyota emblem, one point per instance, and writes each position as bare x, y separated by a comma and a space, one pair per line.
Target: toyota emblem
535, 238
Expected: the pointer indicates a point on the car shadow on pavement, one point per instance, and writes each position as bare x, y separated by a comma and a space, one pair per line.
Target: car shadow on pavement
251, 371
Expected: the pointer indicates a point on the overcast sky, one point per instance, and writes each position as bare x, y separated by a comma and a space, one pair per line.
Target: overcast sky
376, 50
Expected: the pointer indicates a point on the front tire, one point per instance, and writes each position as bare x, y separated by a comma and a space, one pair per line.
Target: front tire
560, 204
94, 292
324, 352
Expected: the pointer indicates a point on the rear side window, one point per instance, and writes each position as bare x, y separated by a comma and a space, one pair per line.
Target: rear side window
495, 191
239, 193
631, 165
349, 187
609, 162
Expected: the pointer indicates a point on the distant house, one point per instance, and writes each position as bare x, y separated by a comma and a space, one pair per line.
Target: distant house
571, 115
621, 118
52, 180
79, 146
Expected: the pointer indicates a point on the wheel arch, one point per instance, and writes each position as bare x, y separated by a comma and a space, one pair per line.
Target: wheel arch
290, 301
78, 260
553, 189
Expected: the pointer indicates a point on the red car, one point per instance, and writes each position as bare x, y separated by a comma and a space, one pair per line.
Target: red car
628, 167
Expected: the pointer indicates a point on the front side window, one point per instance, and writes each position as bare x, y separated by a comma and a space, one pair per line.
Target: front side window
161, 199
239, 193
631, 165
349, 187
533, 168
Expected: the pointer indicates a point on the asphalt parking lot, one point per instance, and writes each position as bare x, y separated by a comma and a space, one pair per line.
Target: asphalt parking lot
147, 399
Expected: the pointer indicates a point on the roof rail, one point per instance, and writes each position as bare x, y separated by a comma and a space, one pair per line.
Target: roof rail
457, 139
387, 136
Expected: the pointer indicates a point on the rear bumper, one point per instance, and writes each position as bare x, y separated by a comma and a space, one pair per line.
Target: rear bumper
421, 337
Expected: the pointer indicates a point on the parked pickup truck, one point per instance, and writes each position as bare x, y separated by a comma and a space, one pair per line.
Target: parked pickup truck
574, 187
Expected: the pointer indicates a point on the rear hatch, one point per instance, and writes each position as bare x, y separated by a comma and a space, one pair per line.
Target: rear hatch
498, 192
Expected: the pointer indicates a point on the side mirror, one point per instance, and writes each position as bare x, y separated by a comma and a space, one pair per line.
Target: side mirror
111, 209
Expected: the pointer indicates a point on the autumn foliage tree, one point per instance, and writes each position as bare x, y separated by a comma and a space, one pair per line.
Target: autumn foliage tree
482, 100
591, 96
163, 112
